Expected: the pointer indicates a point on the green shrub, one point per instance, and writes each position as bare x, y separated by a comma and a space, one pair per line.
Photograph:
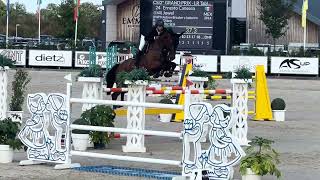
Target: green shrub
261, 158
99, 115
134, 75
94, 71
243, 73
8, 133
166, 101
278, 104
19, 85
199, 73
4, 61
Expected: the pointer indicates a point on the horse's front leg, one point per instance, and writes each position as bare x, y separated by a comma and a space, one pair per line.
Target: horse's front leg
170, 69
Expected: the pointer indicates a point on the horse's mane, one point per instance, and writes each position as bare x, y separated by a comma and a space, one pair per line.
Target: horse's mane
170, 31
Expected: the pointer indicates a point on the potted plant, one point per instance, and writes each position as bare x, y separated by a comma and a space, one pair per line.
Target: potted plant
100, 115
6, 62
278, 109
261, 159
138, 76
80, 138
8, 139
242, 75
91, 78
165, 117
19, 85
198, 77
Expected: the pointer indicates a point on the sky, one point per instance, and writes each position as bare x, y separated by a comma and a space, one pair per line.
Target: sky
31, 5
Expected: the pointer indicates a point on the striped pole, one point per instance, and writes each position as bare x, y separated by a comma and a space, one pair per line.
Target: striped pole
224, 97
172, 90
217, 77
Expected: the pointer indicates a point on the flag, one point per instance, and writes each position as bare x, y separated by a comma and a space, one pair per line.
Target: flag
8, 6
76, 10
305, 8
39, 2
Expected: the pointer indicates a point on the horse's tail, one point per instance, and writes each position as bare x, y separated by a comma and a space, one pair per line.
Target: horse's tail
111, 77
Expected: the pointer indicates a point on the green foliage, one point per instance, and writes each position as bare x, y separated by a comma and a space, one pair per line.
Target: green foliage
80, 121
134, 75
277, 53
100, 115
212, 84
275, 15
4, 61
199, 73
261, 158
278, 104
227, 75
235, 51
302, 53
252, 51
19, 87
93, 71
166, 101
8, 133
243, 73
121, 78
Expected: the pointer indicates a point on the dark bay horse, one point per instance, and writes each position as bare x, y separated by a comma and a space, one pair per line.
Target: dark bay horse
157, 59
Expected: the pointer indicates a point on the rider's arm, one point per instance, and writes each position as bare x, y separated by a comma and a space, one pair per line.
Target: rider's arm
150, 36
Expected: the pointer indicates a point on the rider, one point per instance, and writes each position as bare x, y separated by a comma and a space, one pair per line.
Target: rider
157, 30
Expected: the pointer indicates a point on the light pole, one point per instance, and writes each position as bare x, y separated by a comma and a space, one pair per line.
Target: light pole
17, 30
249, 35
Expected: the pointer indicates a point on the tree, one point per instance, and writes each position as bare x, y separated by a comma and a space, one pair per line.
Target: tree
275, 15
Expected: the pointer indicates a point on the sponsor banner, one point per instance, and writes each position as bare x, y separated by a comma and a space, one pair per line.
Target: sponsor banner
294, 65
17, 55
231, 63
82, 59
207, 63
50, 58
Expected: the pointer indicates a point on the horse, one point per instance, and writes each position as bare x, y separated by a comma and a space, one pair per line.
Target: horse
158, 59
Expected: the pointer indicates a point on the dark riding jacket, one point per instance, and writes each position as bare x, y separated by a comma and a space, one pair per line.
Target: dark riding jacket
154, 33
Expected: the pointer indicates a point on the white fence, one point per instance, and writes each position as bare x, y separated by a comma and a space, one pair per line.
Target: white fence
197, 117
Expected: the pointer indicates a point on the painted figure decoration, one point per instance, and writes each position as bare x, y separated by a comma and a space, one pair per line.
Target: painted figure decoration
224, 150
46, 129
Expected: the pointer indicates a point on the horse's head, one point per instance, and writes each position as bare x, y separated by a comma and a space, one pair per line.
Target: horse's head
169, 42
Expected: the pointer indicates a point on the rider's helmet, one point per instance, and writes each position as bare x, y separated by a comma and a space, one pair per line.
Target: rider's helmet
160, 22
160, 25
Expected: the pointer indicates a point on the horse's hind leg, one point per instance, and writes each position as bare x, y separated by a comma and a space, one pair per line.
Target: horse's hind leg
122, 96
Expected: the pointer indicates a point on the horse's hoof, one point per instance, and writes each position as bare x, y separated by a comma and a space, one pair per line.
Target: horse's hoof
116, 107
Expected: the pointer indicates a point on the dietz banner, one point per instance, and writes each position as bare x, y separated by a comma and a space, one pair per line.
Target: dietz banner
231, 63
50, 58
82, 59
294, 65
17, 55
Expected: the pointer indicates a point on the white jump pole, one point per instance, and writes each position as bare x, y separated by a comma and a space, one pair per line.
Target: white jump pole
126, 158
125, 103
127, 131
